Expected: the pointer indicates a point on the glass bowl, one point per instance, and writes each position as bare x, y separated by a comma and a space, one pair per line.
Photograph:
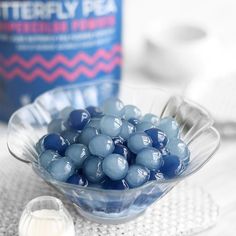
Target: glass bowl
29, 123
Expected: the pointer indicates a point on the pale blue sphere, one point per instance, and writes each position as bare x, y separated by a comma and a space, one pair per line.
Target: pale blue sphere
178, 148
61, 169
139, 140
113, 106
71, 136
94, 123
131, 111
110, 125
92, 169
149, 117
145, 125
137, 176
101, 145
169, 126
65, 112
126, 129
151, 158
56, 126
47, 157
115, 166
78, 153
87, 134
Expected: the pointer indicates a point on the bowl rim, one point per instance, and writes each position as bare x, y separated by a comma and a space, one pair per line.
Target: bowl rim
136, 86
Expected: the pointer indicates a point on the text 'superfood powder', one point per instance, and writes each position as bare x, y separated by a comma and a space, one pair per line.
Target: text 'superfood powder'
49, 43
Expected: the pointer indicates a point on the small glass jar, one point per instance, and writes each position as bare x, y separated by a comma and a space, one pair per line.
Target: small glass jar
46, 216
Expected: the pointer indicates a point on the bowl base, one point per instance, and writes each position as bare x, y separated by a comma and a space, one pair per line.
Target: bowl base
101, 219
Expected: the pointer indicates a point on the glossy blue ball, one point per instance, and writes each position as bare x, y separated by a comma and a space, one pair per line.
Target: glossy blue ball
156, 175
78, 119
130, 111
115, 166
55, 142
61, 169
77, 179
78, 153
123, 151
115, 185
71, 136
92, 170
159, 138
94, 123
143, 126
47, 157
126, 129
94, 111
150, 158
134, 121
137, 176
101, 145
172, 166
65, 112
87, 134
137, 141
110, 125
149, 117
169, 126
118, 140
39, 145
178, 148
113, 106
56, 126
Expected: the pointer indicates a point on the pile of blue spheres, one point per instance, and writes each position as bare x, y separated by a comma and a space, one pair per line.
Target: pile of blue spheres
112, 147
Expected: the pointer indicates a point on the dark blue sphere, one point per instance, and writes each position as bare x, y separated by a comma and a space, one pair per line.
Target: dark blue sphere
172, 166
115, 185
122, 150
134, 121
77, 179
94, 112
78, 119
156, 175
159, 138
118, 140
55, 142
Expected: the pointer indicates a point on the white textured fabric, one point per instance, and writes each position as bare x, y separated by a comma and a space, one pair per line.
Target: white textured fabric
185, 210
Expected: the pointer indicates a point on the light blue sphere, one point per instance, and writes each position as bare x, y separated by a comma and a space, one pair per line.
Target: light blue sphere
137, 175
113, 106
130, 111
178, 148
55, 126
101, 145
71, 136
47, 157
78, 153
145, 125
94, 123
61, 169
151, 158
149, 117
110, 125
40, 146
65, 112
169, 126
139, 140
92, 169
126, 129
87, 134
115, 166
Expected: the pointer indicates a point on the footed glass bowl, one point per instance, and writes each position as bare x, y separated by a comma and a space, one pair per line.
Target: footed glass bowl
29, 123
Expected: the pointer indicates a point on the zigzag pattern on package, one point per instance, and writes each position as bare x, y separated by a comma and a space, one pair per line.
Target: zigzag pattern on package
101, 61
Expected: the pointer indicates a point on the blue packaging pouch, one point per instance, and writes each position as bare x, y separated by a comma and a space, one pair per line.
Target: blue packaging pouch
50, 43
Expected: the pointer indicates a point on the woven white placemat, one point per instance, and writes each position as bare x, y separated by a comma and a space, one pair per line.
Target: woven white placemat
186, 210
